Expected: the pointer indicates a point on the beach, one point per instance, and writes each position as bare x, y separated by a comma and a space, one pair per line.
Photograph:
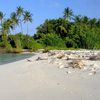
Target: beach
41, 77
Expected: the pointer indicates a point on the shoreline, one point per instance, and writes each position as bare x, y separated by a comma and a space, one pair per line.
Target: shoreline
7, 58
39, 79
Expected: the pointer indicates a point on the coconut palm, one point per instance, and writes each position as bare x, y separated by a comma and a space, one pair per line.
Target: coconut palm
93, 22
19, 12
68, 13
27, 18
1, 20
85, 20
1, 16
98, 23
6, 26
14, 20
78, 19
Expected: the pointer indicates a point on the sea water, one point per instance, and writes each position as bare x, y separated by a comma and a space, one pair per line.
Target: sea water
8, 58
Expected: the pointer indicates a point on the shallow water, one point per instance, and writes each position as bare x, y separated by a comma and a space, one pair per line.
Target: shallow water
8, 58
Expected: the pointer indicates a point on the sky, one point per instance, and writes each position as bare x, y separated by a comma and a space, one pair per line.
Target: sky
48, 9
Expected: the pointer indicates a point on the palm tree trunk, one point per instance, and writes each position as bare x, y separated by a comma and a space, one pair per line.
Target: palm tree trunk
1, 24
21, 27
27, 28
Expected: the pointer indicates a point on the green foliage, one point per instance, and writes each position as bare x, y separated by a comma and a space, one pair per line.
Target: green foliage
63, 33
4, 40
68, 13
32, 45
9, 48
82, 32
29, 43
21, 41
17, 42
5, 43
53, 40
54, 48
45, 50
70, 43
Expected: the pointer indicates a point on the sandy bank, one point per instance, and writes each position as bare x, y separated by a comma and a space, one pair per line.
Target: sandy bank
42, 80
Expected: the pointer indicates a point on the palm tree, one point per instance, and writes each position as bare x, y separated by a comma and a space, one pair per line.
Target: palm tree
14, 20
1, 19
6, 26
1, 16
27, 18
85, 19
93, 22
19, 12
68, 13
78, 19
62, 31
98, 23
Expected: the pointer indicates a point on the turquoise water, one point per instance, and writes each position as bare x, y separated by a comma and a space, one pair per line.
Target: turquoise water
8, 58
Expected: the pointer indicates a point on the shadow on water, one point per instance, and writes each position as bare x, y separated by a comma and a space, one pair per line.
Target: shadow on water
8, 58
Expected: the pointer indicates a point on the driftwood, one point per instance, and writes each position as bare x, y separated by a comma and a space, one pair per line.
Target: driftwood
60, 56
51, 53
77, 64
94, 57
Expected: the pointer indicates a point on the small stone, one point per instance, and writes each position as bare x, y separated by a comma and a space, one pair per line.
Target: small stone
61, 66
29, 60
90, 73
60, 56
93, 70
59, 63
51, 54
68, 72
85, 68
42, 58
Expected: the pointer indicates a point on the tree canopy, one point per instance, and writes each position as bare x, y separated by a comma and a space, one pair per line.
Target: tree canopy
68, 31
78, 32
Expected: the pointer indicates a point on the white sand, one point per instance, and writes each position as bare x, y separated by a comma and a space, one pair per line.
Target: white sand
39, 80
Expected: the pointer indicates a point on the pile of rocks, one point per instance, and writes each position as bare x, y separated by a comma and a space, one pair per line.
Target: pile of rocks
71, 58
77, 64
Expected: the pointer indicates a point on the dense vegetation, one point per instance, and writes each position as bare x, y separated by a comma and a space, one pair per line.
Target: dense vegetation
10, 41
68, 31
74, 31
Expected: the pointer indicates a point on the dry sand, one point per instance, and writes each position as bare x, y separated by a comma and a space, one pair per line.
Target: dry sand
41, 80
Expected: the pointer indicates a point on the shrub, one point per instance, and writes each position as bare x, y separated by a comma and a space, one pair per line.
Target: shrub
17, 42
4, 40
5, 43
9, 48
33, 45
1, 44
45, 50
70, 43
29, 43
53, 40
